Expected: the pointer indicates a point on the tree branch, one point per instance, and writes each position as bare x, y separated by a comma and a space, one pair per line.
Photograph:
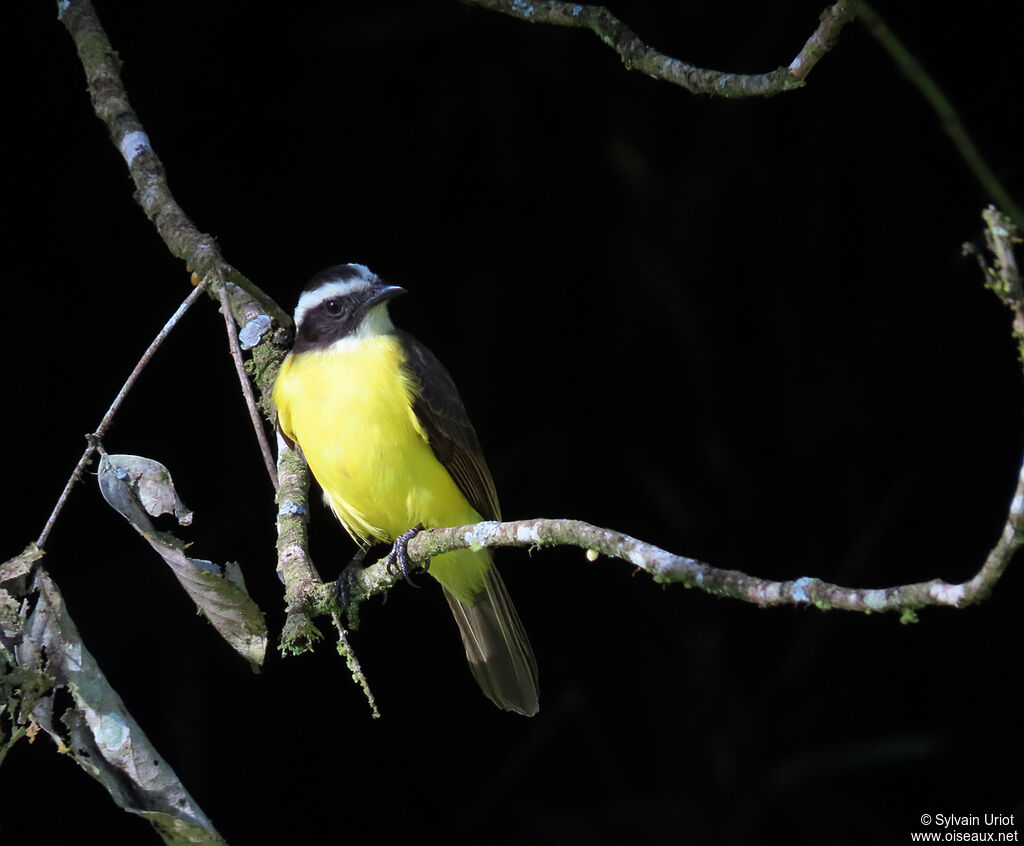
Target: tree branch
305, 593
1003, 276
636, 55
184, 240
668, 568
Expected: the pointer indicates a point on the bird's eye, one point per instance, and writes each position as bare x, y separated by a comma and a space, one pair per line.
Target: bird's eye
333, 307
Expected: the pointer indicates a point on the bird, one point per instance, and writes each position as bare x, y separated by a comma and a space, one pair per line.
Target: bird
386, 435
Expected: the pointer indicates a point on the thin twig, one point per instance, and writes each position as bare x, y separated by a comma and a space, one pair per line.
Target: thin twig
246, 385
636, 55
949, 119
97, 436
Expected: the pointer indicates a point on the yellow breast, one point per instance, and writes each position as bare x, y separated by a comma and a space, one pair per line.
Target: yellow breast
350, 410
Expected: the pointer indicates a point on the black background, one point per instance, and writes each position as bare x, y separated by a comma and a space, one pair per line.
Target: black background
740, 330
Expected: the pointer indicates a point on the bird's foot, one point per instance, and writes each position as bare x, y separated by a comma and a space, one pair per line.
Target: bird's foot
398, 558
343, 587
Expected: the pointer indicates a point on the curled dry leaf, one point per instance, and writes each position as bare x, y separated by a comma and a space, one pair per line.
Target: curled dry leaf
138, 488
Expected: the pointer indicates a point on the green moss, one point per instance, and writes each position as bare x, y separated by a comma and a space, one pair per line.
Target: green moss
298, 636
908, 615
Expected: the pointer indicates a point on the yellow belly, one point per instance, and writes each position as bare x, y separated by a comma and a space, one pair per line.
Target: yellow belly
351, 413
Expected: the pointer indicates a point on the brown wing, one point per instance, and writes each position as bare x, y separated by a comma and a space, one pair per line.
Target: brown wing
497, 648
452, 438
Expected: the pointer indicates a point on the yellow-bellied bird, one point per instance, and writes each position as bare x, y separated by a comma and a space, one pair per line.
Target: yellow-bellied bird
385, 433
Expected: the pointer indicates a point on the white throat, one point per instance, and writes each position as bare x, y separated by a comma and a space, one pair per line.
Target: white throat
376, 323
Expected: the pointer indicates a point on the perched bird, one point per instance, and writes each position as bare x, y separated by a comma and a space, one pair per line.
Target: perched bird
386, 435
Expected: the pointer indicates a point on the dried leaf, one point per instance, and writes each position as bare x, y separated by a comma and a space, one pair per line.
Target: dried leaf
20, 565
138, 487
152, 485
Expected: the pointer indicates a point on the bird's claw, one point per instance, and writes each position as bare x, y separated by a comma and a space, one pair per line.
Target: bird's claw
398, 559
347, 578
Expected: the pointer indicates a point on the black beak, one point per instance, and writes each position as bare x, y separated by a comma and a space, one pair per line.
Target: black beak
382, 294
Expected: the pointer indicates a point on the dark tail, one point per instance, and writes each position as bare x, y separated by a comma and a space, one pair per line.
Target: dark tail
497, 648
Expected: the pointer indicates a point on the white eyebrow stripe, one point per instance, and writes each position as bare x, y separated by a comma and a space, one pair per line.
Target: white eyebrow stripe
342, 288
